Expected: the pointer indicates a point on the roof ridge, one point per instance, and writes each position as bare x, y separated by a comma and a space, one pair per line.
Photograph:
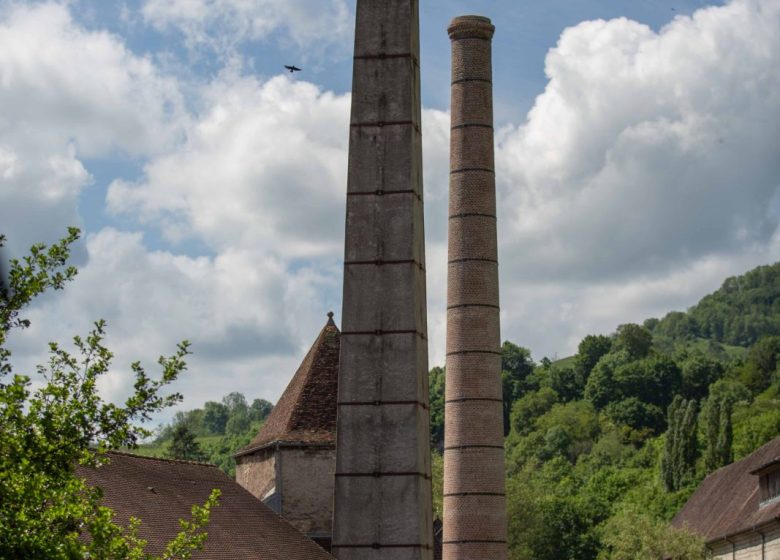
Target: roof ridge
161, 459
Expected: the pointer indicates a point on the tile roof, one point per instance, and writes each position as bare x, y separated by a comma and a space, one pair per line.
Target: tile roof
306, 411
162, 491
727, 502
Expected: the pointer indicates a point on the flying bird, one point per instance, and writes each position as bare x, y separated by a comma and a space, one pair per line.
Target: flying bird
292, 68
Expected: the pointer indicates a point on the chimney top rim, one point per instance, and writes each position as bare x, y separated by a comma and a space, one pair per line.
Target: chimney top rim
471, 26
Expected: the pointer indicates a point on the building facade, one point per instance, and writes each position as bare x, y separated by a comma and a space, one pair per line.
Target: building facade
737, 508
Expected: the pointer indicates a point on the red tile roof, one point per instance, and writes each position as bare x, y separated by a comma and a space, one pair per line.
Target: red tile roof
162, 491
306, 411
727, 502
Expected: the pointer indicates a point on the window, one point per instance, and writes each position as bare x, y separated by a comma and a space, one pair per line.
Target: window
768, 482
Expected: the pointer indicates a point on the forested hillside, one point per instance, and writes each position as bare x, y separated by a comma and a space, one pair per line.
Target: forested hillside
604, 447
212, 433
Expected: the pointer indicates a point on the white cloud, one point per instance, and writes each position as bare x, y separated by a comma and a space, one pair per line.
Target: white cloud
646, 171
646, 149
224, 23
61, 84
68, 94
264, 167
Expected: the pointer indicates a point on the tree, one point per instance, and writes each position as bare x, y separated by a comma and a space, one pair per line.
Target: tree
517, 369
529, 407
698, 373
634, 535
642, 417
761, 364
566, 382
215, 417
634, 340
601, 388
235, 402
45, 510
259, 410
589, 352
718, 432
678, 462
436, 398
184, 446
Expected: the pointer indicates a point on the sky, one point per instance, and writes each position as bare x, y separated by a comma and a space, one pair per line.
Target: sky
636, 158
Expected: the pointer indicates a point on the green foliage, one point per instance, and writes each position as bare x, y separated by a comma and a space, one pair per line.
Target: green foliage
516, 376
436, 398
760, 368
681, 445
698, 373
215, 417
634, 535
745, 309
529, 407
437, 484
184, 446
755, 424
642, 418
587, 445
590, 351
44, 508
718, 431
635, 340
216, 431
567, 382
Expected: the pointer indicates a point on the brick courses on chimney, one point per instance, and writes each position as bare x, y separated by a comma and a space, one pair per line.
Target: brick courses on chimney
474, 495
382, 502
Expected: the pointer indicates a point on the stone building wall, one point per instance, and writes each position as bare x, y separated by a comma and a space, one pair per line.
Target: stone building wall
307, 488
748, 546
257, 472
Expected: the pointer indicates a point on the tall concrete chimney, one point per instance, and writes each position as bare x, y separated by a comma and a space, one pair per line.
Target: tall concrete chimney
382, 504
474, 499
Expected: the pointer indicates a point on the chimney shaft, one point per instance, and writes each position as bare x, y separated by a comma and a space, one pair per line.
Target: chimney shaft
474, 501
382, 502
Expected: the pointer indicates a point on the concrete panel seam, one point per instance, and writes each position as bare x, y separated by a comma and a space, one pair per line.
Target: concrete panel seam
381, 124
385, 193
383, 403
377, 474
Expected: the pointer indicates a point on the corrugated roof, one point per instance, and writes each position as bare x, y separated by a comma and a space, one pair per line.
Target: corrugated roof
306, 411
727, 503
161, 491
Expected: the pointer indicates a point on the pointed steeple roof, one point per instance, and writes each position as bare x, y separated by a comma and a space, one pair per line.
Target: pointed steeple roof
306, 411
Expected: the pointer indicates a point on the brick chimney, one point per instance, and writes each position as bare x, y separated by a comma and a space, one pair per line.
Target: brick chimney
474, 499
382, 504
